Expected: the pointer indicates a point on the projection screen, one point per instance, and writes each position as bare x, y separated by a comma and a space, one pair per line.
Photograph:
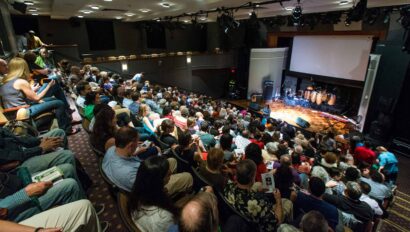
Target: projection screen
344, 57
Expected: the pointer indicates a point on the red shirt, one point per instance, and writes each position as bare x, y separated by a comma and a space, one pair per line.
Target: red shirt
259, 143
364, 154
260, 169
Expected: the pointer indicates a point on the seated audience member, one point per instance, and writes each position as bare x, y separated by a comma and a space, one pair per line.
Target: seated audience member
42, 59
82, 88
365, 154
77, 216
104, 128
151, 103
91, 99
388, 165
107, 86
242, 140
379, 190
122, 161
74, 77
212, 171
207, 139
135, 105
336, 183
189, 149
151, 206
254, 153
167, 113
258, 207
314, 221
167, 127
199, 214
3, 69
191, 124
350, 203
371, 202
23, 202
225, 142
16, 91
38, 153
306, 202
269, 153
127, 100
143, 115
285, 177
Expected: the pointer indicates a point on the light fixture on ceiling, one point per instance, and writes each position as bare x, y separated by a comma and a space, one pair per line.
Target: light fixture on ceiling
166, 4
80, 16
87, 11
188, 59
34, 14
118, 17
129, 14
32, 9
289, 8
29, 3
186, 21
344, 2
95, 7
124, 66
145, 10
107, 0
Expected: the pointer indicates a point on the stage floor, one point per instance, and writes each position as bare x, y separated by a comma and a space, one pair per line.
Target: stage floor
318, 123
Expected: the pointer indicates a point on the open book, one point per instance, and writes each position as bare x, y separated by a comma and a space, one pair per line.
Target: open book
268, 182
53, 174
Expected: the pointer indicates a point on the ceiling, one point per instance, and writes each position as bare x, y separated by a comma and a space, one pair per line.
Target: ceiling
138, 10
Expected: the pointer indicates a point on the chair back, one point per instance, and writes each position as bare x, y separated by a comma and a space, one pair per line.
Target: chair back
199, 181
183, 165
125, 214
97, 152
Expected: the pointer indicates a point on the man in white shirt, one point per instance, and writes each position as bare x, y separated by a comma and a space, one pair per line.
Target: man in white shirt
83, 87
137, 77
371, 202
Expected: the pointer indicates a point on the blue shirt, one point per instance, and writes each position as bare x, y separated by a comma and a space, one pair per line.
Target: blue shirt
121, 171
137, 77
378, 190
389, 162
134, 108
126, 102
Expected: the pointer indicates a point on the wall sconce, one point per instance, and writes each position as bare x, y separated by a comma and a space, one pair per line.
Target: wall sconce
124, 66
188, 59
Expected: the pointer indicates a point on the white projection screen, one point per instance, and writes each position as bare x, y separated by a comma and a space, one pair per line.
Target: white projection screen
344, 57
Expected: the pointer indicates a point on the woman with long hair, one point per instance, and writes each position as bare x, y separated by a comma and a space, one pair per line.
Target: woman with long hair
16, 91
91, 99
143, 114
105, 126
167, 127
150, 205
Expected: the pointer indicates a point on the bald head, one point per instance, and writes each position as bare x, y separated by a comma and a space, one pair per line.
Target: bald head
3, 67
200, 214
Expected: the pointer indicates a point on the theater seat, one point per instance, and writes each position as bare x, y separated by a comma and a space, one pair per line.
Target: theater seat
125, 214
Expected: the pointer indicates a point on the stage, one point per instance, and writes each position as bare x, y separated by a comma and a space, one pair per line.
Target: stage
320, 122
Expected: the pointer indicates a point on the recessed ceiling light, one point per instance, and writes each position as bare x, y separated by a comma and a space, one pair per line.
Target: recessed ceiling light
80, 16
203, 18
87, 12
250, 13
345, 2
145, 10
289, 8
29, 3
32, 9
129, 14
186, 21
95, 7
107, 0
165, 4
34, 14
118, 17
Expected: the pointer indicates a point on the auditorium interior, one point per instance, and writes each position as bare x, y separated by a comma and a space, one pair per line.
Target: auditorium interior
312, 94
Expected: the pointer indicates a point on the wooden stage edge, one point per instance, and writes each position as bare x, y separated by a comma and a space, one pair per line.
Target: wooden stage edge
318, 122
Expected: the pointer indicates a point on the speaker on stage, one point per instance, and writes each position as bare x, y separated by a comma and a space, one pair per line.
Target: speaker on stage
302, 123
267, 90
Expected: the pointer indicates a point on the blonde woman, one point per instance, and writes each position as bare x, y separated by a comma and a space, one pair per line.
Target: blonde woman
16, 91
143, 114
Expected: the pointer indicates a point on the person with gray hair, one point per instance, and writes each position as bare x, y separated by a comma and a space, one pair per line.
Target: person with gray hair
314, 221
350, 202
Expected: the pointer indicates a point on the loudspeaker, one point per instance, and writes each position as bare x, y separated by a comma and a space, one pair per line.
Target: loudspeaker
267, 90
20, 7
302, 123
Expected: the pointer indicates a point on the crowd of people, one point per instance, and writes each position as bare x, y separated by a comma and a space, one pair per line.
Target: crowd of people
158, 141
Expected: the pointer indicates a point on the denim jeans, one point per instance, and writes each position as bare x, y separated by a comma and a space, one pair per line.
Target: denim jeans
49, 104
55, 91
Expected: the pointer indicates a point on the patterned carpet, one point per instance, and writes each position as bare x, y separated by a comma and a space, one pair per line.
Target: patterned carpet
399, 219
